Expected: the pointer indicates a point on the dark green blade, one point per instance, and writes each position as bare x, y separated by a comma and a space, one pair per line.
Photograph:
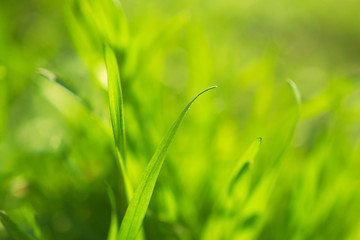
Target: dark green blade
13, 229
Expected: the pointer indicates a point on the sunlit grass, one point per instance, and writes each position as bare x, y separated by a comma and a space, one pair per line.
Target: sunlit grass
90, 90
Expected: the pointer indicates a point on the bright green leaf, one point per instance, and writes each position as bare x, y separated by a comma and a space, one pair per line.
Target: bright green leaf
115, 99
117, 112
138, 206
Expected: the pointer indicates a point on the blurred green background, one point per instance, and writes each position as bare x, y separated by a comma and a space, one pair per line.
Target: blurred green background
56, 154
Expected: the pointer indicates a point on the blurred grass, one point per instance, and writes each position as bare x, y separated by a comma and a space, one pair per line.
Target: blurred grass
56, 153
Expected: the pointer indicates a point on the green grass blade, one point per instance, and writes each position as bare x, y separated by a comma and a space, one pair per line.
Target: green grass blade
244, 164
223, 209
113, 230
117, 112
297, 95
53, 78
13, 229
138, 206
115, 99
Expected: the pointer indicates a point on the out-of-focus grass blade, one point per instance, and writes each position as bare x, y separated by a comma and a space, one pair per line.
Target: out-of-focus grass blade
113, 230
13, 229
297, 94
117, 112
244, 164
138, 206
115, 100
265, 188
3, 101
226, 205
53, 78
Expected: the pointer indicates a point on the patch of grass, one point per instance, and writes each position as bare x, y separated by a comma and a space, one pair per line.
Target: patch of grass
88, 90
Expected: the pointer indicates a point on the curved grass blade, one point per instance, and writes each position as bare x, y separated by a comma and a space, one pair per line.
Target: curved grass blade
117, 112
244, 164
265, 188
115, 99
297, 96
113, 230
222, 211
53, 78
138, 206
13, 229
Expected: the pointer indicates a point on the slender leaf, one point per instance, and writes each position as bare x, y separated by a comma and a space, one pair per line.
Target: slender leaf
297, 94
265, 187
53, 78
138, 206
13, 229
225, 205
117, 116
113, 230
115, 99
244, 164
117, 112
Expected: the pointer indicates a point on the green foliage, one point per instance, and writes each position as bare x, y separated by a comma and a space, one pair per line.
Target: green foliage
13, 229
117, 113
225, 216
75, 74
243, 165
115, 100
138, 206
113, 229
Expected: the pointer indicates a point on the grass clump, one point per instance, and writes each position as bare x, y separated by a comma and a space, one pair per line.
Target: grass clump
89, 91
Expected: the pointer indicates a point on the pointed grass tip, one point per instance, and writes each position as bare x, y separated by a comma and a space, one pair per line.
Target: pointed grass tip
205, 90
296, 91
212, 87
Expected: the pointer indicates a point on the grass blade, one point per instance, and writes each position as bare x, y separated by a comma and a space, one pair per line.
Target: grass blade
297, 95
115, 99
138, 206
13, 229
117, 112
227, 202
53, 78
265, 188
244, 164
113, 230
